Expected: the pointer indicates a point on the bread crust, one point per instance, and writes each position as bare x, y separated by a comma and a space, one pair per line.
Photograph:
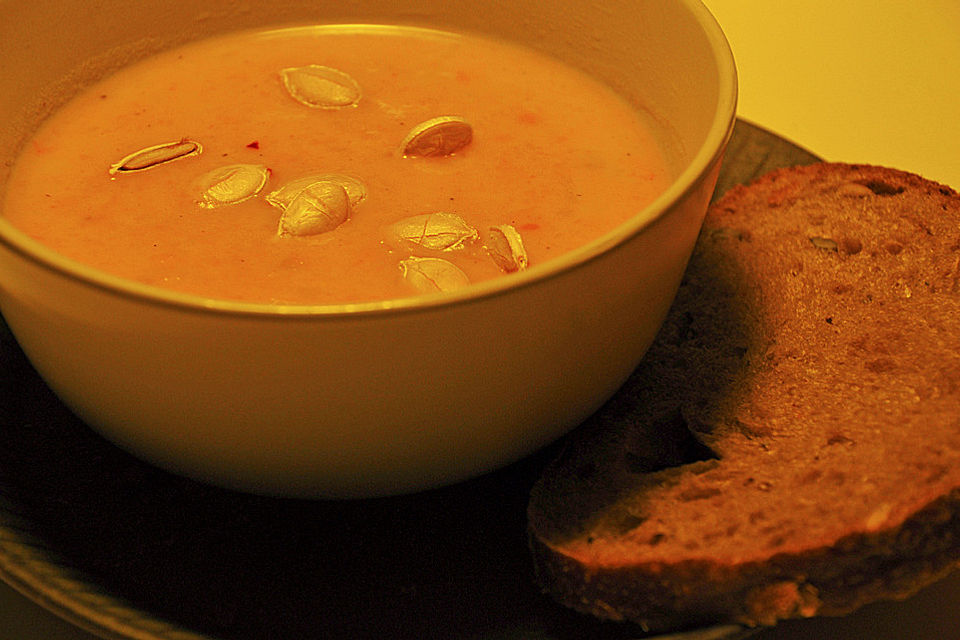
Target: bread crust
790, 446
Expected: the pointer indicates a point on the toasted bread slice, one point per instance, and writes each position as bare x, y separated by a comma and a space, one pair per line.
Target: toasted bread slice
790, 446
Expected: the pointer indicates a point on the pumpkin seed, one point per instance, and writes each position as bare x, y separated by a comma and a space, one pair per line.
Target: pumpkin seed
282, 197
505, 246
438, 231
441, 136
430, 275
320, 207
231, 184
156, 155
320, 87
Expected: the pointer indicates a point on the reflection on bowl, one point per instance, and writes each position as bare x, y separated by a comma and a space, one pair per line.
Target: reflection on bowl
372, 398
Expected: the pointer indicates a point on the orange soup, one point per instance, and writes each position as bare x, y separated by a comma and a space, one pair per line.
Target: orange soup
334, 164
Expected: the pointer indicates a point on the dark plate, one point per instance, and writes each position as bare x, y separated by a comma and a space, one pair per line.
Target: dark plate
125, 550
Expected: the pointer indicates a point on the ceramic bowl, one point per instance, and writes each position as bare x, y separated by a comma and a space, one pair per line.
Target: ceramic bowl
373, 399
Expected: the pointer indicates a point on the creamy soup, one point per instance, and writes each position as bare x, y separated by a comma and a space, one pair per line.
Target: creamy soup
334, 164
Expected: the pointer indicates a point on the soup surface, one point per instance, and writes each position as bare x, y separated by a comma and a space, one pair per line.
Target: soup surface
173, 171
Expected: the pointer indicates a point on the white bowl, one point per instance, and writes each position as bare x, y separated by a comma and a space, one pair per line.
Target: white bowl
362, 400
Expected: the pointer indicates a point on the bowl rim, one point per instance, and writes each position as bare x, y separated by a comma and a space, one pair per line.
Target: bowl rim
709, 153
